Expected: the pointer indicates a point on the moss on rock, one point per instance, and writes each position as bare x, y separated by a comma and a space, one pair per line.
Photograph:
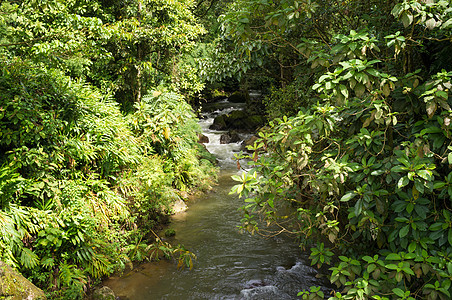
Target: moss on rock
14, 286
239, 97
104, 293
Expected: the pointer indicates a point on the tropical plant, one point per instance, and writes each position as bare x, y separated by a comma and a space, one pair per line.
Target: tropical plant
364, 165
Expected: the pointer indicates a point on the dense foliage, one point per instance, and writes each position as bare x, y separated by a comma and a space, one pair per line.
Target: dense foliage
360, 143
97, 140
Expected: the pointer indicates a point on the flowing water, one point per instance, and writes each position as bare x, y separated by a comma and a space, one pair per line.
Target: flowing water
229, 265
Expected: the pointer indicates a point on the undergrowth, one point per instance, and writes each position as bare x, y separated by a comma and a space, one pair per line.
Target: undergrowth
81, 184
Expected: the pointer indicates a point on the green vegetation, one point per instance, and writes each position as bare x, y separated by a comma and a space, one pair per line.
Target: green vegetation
359, 145
97, 140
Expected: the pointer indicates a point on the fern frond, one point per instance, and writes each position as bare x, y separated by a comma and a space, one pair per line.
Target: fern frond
28, 258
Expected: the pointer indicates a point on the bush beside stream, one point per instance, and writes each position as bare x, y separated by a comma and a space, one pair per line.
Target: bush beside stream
81, 182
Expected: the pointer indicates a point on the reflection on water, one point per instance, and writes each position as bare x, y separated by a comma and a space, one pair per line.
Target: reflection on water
229, 265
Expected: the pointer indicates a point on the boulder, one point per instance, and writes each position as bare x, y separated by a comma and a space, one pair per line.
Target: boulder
103, 293
239, 97
235, 137
14, 286
218, 123
249, 142
179, 206
253, 122
238, 119
203, 139
230, 137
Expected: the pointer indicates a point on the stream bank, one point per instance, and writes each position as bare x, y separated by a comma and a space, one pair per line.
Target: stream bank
229, 265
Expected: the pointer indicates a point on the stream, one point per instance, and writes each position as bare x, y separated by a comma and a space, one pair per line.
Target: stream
229, 264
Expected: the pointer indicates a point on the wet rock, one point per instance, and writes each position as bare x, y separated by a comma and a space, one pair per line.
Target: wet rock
14, 286
249, 142
219, 123
285, 284
235, 138
179, 206
237, 119
225, 138
268, 292
295, 278
254, 283
104, 293
203, 139
254, 121
230, 137
239, 97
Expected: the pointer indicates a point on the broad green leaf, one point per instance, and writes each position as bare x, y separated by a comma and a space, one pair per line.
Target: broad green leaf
410, 256
386, 90
344, 90
371, 268
236, 178
393, 256
425, 174
347, 197
391, 266
409, 208
439, 184
412, 247
270, 202
323, 77
399, 292
431, 108
419, 186
403, 182
407, 19
431, 129
404, 231
244, 20
358, 207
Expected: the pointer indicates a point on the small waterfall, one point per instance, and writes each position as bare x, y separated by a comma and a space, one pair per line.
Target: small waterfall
223, 152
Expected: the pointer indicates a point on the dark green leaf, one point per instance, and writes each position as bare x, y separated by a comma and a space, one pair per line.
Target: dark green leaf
404, 231
393, 256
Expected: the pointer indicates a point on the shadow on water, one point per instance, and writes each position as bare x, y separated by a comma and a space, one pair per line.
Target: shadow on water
229, 265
